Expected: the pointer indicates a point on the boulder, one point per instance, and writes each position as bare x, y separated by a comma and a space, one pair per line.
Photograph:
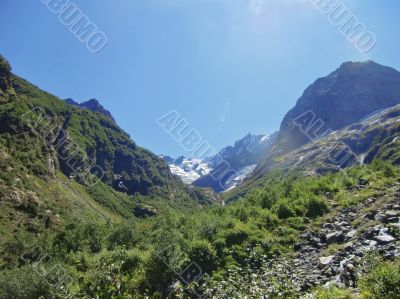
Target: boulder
335, 237
382, 218
392, 213
326, 261
384, 239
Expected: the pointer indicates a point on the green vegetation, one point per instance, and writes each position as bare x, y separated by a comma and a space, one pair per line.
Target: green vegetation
62, 235
143, 256
382, 280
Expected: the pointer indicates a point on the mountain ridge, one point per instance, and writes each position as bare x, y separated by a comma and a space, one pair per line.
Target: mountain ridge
92, 105
345, 96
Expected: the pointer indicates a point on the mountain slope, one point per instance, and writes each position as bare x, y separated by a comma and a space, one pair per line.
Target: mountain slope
92, 105
44, 140
233, 163
78, 142
353, 91
375, 137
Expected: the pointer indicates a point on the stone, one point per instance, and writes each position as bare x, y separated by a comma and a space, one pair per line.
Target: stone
392, 213
382, 218
350, 235
384, 239
335, 237
328, 226
393, 219
370, 215
348, 247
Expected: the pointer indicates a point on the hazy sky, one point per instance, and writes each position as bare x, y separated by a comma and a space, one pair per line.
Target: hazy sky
227, 66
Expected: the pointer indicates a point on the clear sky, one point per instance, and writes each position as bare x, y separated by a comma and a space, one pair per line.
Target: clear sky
227, 66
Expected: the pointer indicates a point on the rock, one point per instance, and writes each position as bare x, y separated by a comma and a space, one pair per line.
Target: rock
382, 218
317, 243
325, 261
384, 239
392, 213
370, 215
349, 247
373, 231
298, 246
350, 235
335, 237
328, 226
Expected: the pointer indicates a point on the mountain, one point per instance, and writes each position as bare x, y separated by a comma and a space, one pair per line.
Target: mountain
375, 137
92, 105
188, 170
79, 197
350, 93
57, 157
234, 163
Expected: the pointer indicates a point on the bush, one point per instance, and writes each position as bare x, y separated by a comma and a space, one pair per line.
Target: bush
316, 207
235, 236
283, 209
388, 170
333, 293
22, 283
204, 254
383, 282
121, 236
4, 65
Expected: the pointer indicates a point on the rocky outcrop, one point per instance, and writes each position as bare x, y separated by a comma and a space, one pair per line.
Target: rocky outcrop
375, 137
234, 163
349, 94
92, 105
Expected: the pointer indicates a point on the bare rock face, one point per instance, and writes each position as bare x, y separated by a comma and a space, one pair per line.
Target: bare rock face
377, 136
346, 96
26, 201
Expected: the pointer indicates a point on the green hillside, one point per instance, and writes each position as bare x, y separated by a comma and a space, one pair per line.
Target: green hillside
86, 213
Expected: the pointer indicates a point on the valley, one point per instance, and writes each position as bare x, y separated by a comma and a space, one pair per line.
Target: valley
85, 212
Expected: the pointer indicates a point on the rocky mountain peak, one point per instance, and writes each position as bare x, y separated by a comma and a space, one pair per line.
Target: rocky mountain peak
92, 105
345, 96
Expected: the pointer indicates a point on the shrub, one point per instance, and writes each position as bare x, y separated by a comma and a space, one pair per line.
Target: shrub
235, 236
121, 236
204, 254
388, 170
333, 293
22, 283
316, 207
383, 282
283, 209
4, 65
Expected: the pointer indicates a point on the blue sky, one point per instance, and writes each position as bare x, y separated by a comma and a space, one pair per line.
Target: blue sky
227, 66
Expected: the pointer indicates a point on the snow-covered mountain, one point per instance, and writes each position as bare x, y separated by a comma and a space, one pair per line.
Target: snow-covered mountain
241, 158
188, 170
